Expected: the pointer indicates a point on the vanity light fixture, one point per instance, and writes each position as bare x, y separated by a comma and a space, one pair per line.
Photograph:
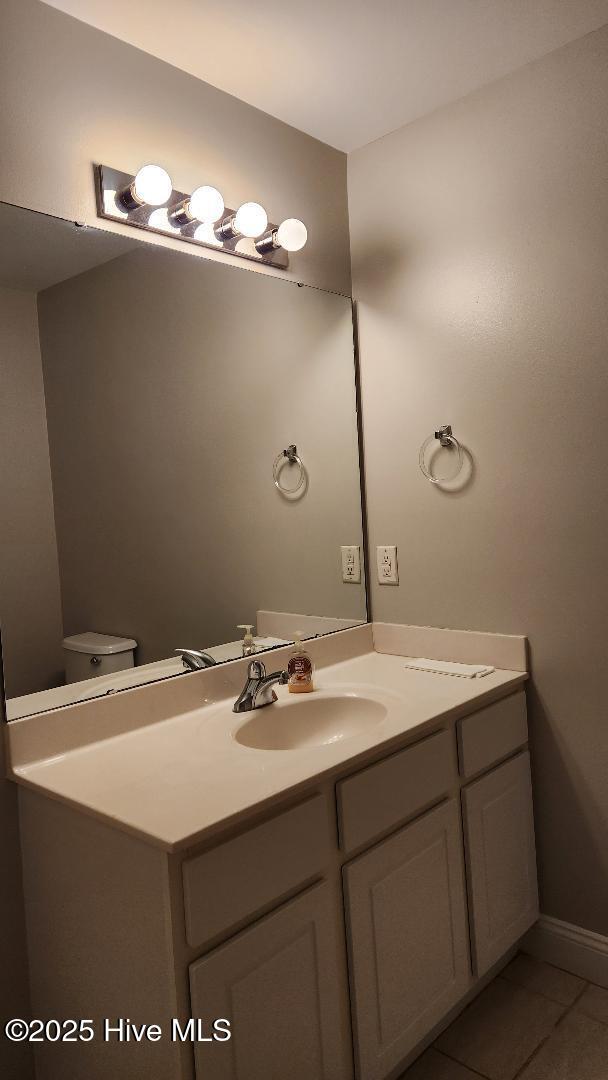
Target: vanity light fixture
149, 201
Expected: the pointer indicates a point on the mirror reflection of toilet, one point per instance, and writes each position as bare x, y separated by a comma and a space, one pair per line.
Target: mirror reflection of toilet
89, 655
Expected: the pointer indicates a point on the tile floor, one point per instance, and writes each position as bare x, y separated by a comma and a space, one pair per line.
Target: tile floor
533, 1022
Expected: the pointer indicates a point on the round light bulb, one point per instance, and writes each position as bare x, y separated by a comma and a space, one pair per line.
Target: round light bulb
251, 219
152, 185
206, 205
292, 234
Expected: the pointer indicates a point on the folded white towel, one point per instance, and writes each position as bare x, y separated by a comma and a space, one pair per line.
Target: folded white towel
444, 667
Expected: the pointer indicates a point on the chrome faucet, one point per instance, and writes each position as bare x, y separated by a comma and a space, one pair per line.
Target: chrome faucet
195, 659
258, 691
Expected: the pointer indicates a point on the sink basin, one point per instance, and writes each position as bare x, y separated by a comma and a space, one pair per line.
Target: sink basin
317, 719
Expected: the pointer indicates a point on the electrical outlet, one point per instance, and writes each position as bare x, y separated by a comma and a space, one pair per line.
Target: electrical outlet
388, 571
351, 564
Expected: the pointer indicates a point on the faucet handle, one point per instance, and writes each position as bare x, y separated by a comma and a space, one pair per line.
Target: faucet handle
256, 670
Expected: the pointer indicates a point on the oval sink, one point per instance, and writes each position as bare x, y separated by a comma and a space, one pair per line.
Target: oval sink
315, 720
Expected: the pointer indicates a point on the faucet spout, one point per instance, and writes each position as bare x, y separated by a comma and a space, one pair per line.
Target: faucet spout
195, 659
258, 690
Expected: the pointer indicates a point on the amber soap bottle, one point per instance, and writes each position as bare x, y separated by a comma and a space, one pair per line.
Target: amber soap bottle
299, 668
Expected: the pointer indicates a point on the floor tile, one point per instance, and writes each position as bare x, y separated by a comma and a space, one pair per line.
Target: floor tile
577, 1050
594, 1003
543, 979
497, 1034
434, 1066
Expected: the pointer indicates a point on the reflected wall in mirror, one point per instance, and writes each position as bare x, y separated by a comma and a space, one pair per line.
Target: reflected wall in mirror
144, 397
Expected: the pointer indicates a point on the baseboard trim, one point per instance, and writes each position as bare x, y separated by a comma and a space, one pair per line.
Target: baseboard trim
572, 948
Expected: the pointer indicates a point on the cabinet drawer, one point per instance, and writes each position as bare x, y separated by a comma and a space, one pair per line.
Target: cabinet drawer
239, 878
492, 734
388, 793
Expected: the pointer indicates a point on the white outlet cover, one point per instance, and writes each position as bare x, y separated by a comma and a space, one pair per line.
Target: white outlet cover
386, 561
351, 564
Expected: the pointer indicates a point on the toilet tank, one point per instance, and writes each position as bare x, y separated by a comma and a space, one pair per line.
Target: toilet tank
89, 655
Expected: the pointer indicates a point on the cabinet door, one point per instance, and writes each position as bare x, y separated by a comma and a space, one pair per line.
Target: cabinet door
282, 984
501, 859
408, 938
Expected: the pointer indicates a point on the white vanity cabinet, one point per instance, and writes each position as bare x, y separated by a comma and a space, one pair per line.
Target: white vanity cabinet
415, 947
336, 929
408, 937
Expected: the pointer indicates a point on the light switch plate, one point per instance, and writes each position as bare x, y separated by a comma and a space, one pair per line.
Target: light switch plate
351, 564
386, 559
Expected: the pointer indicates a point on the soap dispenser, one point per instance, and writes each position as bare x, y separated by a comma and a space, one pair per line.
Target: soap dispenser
248, 642
299, 668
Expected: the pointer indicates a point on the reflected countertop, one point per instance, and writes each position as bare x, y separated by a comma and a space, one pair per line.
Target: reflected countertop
71, 693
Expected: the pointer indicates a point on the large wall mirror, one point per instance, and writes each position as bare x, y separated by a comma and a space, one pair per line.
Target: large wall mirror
145, 396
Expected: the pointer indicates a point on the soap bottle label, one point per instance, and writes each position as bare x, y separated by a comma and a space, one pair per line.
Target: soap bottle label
299, 668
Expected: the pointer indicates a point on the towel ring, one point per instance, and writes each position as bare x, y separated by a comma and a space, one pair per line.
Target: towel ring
289, 455
445, 438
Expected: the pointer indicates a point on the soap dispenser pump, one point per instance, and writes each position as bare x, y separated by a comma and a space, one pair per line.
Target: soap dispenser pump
248, 642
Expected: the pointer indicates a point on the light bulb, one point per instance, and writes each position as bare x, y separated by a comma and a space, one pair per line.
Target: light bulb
250, 219
152, 185
206, 205
292, 234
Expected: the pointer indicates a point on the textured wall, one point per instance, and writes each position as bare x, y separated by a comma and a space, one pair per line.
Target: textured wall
72, 95
171, 385
30, 607
479, 239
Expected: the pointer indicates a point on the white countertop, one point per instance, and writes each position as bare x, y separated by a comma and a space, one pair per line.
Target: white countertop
175, 781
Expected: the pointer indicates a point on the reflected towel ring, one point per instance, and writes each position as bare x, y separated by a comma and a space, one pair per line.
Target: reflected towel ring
291, 456
446, 439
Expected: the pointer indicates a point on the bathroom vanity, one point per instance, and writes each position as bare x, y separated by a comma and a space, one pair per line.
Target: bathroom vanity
336, 899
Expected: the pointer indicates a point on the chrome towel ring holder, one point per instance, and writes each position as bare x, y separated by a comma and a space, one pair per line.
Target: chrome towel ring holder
291, 456
446, 439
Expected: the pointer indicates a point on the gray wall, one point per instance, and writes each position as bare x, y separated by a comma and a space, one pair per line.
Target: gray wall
15, 1058
171, 385
30, 607
72, 95
479, 240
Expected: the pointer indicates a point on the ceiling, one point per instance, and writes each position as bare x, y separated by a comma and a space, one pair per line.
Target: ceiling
345, 71
38, 251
